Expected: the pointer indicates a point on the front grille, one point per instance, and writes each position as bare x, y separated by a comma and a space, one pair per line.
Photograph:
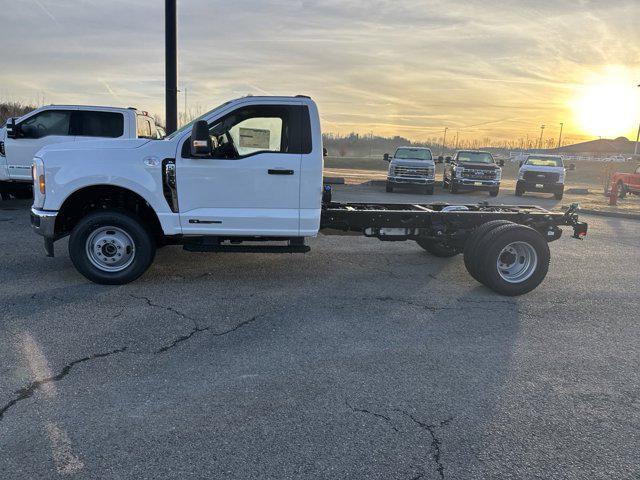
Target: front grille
541, 177
412, 172
479, 174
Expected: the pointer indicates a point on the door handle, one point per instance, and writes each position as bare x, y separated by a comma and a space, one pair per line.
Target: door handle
276, 171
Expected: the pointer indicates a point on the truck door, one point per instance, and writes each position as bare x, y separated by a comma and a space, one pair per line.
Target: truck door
44, 128
251, 183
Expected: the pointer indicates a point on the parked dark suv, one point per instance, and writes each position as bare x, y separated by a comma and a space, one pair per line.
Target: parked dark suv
472, 170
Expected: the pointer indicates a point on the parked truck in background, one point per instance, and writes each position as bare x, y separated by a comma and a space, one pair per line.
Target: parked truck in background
247, 177
627, 182
411, 166
541, 173
21, 138
472, 170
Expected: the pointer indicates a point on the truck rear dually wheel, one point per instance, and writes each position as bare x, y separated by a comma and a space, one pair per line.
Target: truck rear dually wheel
111, 247
514, 259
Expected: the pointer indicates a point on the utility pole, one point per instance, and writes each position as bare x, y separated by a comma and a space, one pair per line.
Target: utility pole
560, 137
186, 116
456, 147
540, 141
444, 139
171, 65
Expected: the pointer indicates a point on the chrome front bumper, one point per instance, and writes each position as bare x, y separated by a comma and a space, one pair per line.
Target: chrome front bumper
412, 180
43, 222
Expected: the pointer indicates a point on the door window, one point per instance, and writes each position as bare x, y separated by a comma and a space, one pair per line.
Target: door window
144, 127
97, 124
43, 124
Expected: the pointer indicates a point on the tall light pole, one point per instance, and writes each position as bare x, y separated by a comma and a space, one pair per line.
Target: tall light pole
444, 139
456, 147
540, 141
560, 137
171, 65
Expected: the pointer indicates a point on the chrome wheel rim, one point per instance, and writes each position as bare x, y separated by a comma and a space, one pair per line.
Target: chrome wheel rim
517, 262
110, 249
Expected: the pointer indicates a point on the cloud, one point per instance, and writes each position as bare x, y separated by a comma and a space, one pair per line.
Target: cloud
489, 68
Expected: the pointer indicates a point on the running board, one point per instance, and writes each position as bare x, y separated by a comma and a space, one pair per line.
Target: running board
247, 248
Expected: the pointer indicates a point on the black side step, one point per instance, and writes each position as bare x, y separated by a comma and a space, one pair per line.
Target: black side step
247, 248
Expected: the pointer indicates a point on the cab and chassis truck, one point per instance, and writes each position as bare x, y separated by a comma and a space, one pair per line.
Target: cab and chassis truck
247, 177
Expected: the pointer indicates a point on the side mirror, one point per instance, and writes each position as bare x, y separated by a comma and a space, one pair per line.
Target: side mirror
572, 166
200, 140
501, 162
12, 128
325, 152
385, 157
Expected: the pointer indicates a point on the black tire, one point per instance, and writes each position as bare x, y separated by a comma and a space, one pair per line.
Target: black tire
471, 252
519, 191
438, 249
558, 195
389, 187
428, 190
493, 245
494, 192
622, 191
453, 188
143, 252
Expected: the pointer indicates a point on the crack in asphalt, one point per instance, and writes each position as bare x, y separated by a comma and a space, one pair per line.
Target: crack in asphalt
435, 441
29, 390
196, 327
369, 412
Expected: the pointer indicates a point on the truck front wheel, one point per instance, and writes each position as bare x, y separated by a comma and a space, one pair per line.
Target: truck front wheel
494, 192
111, 247
559, 194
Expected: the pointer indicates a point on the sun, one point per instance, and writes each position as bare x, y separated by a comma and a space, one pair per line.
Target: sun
608, 106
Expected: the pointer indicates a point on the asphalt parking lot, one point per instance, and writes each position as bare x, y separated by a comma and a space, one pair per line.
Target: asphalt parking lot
359, 360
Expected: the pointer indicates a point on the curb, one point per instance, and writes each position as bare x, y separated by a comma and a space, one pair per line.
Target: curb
604, 213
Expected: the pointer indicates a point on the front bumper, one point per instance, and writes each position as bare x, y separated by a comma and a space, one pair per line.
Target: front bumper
412, 180
540, 187
43, 222
476, 184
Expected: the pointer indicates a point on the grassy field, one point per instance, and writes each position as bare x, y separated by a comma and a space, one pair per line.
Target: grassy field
592, 174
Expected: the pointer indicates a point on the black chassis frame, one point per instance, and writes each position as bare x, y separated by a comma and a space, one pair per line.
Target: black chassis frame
429, 221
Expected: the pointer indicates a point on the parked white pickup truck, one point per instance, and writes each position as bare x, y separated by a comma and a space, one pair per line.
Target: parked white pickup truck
247, 177
541, 173
411, 166
21, 138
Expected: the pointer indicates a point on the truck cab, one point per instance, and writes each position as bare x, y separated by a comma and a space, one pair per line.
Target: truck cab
472, 170
411, 166
22, 138
541, 173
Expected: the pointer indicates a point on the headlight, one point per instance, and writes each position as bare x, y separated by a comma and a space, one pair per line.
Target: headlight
561, 177
498, 174
39, 186
459, 169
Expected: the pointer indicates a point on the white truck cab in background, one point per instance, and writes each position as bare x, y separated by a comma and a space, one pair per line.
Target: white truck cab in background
21, 138
541, 173
411, 166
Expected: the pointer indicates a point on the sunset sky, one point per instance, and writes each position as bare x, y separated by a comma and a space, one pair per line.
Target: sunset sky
490, 68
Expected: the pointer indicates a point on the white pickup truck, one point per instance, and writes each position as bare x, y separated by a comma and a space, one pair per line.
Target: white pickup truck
247, 177
411, 166
541, 173
21, 138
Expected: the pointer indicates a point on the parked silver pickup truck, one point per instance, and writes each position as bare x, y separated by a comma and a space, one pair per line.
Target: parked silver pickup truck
411, 166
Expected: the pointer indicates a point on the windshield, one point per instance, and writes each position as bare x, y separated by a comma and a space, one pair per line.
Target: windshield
188, 126
413, 153
475, 157
544, 161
